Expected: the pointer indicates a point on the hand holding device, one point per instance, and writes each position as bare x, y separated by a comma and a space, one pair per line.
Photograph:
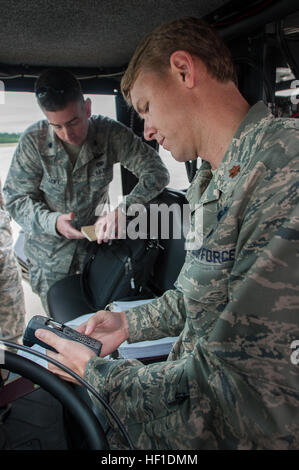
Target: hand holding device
65, 332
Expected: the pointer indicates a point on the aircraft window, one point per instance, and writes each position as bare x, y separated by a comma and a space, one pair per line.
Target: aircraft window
177, 171
19, 110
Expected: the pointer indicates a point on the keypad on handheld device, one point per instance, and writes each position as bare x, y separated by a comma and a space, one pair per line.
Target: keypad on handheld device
38, 321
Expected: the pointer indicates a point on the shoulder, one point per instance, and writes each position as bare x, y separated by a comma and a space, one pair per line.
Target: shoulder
35, 133
280, 143
109, 132
274, 170
106, 124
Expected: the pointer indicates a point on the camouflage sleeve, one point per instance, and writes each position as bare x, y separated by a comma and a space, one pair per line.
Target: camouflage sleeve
259, 323
23, 198
130, 387
12, 309
165, 316
142, 160
254, 380
140, 394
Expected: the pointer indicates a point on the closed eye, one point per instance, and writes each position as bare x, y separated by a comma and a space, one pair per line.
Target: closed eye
72, 123
142, 110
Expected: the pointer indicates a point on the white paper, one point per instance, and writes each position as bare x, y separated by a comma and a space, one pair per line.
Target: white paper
142, 349
122, 306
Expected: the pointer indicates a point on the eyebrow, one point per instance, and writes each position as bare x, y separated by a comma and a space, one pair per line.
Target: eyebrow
65, 123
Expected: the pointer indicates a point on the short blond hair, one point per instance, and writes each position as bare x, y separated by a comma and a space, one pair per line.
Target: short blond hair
190, 34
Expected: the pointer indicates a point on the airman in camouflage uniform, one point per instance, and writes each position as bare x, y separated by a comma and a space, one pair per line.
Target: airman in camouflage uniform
12, 307
44, 183
230, 381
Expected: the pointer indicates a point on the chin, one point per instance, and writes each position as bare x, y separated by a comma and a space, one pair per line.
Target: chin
181, 157
75, 142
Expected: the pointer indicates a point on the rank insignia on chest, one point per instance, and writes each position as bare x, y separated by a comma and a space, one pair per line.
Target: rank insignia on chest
234, 171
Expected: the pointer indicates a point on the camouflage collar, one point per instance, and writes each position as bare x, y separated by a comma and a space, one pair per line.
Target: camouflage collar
52, 146
200, 183
46, 138
205, 189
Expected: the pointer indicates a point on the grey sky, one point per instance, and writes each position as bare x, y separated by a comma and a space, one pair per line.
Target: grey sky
20, 110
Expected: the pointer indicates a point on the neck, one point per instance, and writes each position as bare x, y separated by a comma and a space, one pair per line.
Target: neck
220, 117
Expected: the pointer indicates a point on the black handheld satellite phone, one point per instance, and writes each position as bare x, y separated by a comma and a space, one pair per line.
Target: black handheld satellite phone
38, 321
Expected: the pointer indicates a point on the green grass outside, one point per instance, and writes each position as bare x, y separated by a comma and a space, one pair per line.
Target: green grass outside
9, 138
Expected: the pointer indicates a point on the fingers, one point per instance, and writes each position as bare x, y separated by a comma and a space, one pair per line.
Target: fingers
73, 233
121, 224
72, 354
105, 231
100, 231
106, 227
57, 343
88, 327
94, 321
65, 228
50, 338
81, 328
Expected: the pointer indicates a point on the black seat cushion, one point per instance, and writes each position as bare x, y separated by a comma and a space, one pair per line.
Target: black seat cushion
65, 299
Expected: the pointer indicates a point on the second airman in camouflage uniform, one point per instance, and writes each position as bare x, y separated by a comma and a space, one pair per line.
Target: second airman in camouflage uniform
47, 180
231, 380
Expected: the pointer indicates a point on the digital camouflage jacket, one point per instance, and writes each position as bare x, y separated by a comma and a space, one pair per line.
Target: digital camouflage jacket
231, 380
42, 184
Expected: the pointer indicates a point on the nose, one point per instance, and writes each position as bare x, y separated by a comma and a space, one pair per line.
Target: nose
67, 134
149, 131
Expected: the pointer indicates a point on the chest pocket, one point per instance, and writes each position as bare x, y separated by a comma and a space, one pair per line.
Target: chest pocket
54, 192
95, 178
100, 173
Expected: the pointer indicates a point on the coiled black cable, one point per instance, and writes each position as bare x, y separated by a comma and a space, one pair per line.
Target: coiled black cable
83, 382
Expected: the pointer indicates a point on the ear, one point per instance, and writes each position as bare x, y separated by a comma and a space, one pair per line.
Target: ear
182, 64
87, 107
